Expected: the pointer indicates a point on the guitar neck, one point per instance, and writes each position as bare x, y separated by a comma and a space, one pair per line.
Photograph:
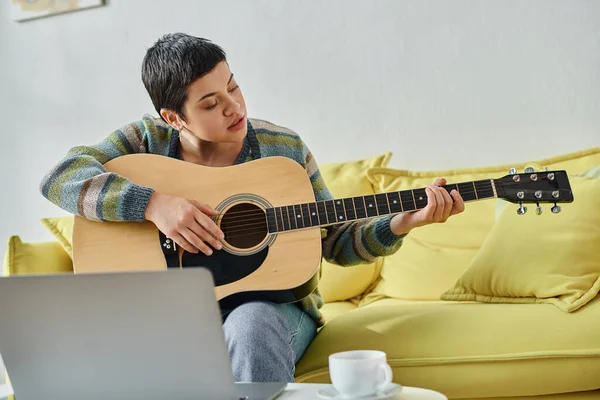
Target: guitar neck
338, 211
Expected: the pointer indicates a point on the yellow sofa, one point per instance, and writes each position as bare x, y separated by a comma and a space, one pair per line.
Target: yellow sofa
473, 347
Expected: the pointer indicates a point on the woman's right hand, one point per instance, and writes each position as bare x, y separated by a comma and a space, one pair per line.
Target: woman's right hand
185, 221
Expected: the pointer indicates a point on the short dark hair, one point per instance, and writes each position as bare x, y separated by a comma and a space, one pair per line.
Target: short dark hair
172, 63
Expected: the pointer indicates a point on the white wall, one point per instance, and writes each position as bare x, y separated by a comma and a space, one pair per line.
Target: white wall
442, 84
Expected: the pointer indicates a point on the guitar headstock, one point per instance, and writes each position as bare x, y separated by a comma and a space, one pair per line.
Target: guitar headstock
535, 187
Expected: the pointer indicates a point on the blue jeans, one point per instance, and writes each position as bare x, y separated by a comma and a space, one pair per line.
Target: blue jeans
266, 340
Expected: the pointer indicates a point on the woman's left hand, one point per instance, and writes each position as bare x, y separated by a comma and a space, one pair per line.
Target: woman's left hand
440, 206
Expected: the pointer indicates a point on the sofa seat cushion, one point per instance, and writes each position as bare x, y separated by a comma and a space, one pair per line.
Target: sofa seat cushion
587, 395
468, 350
336, 308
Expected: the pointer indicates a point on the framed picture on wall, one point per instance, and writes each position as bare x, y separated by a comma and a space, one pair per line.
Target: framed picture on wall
22, 10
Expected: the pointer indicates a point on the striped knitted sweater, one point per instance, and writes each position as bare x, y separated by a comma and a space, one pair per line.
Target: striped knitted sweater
81, 185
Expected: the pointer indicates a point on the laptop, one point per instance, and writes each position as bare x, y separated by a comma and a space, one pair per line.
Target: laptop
127, 335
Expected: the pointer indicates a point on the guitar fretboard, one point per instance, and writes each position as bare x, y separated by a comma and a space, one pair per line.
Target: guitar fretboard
337, 211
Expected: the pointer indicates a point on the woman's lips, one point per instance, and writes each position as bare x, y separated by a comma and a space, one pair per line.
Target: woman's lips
239, 125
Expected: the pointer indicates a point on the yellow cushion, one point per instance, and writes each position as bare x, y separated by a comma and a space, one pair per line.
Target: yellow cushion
349, 179
62, 229
469, 350
550, 258
433, 257
22, 258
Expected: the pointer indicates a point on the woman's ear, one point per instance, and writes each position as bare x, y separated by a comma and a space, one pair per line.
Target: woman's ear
172, 118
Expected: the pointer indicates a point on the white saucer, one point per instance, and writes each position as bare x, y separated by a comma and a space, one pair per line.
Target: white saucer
388, 392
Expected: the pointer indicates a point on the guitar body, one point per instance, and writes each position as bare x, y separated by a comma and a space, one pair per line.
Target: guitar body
254, 264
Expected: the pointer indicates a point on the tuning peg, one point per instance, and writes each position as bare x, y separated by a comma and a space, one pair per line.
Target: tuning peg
512, 171
529, 170
522, 209
538, 209
556, 209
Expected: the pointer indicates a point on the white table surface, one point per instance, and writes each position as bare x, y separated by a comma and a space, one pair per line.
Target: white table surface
5, 391
308, 391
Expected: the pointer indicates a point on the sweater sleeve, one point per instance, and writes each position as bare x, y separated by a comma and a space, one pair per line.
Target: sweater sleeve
80, 185
356, 242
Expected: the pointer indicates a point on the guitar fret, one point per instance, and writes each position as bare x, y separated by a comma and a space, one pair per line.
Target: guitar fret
408, 200
395, 203
466, 191
329, 206
278, 219
421, 198
298, 216
306, 215
291, 218
285, 222
484, 189
284, 218
475, 189
339, 211
370, 205
314, 214
290, 211
450, 187
323, 219
271, 222
350, 211
383, 207
359, 207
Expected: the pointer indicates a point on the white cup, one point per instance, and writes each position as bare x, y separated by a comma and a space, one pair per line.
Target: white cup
359, 372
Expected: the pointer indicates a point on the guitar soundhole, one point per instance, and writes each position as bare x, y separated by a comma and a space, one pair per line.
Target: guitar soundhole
244, 225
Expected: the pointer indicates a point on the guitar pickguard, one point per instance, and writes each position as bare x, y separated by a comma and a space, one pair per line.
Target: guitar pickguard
226, 267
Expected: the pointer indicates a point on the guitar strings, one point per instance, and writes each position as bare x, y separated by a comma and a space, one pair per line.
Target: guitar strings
259, 225
248, 215
247, 212
256, 219
262, 228
463, 191
259, 215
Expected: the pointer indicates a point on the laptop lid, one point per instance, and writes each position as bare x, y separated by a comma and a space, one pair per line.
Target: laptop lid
129, 335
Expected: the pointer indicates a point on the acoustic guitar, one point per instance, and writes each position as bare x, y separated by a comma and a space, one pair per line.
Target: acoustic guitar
271, 221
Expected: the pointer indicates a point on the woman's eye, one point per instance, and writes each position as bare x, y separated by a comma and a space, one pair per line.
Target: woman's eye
233, 89
212, 107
